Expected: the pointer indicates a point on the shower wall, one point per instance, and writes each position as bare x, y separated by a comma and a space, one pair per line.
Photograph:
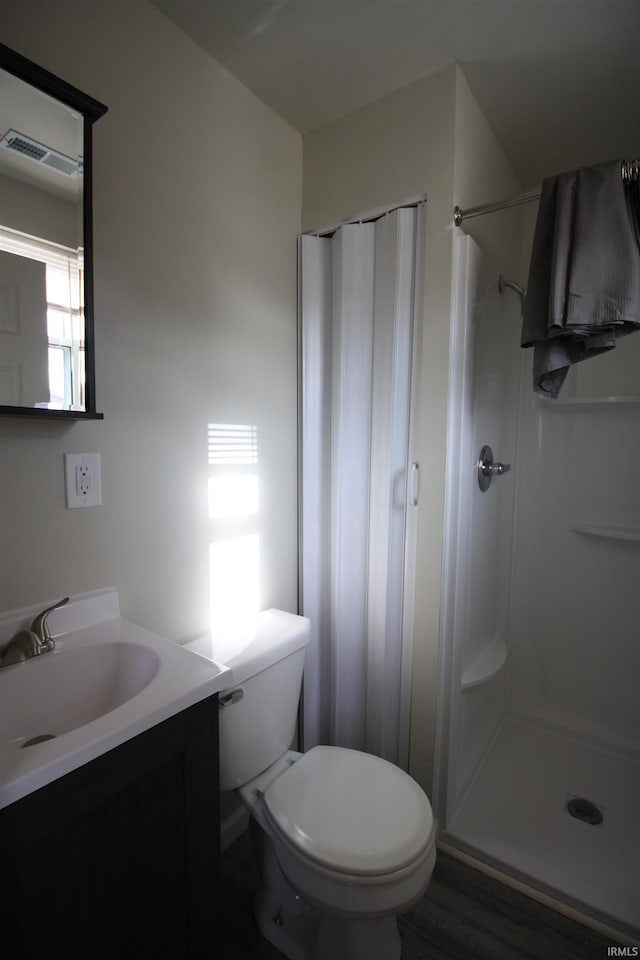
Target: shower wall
542, 606
575, 606
484, 411
540, 652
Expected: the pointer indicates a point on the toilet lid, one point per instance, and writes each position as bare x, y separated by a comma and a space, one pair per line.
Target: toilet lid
351, 811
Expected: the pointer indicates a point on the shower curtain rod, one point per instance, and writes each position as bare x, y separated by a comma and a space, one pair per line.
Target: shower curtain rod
629, 171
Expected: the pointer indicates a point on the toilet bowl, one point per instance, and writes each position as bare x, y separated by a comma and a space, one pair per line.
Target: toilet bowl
345, 841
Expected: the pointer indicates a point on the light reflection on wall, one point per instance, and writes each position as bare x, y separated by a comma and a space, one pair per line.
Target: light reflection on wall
232, 496
234, 553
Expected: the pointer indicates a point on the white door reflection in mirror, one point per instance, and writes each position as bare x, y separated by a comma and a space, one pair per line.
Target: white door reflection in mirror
23, 328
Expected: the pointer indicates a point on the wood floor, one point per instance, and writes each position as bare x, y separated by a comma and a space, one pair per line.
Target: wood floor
464, 916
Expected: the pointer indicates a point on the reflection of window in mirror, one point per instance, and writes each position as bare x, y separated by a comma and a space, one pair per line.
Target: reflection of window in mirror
47, 366
56, 312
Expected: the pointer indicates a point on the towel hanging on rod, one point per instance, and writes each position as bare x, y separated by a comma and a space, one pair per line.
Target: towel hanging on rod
583, 292
629, 171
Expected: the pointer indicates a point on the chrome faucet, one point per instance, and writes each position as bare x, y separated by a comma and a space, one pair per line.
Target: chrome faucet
32, 642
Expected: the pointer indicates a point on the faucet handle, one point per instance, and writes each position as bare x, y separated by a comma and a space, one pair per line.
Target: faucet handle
39, 625
22, 646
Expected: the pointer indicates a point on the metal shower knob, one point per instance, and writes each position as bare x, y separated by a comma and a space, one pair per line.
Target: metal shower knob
488, 468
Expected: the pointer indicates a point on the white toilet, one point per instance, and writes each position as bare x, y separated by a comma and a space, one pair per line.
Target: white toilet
345, 841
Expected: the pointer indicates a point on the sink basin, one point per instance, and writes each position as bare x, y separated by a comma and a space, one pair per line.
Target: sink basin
107, 681
60, 691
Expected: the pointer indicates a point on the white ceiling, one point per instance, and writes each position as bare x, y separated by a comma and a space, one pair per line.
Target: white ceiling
44, 119
558, 80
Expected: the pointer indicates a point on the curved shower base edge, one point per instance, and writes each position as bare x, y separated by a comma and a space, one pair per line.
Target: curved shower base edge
548, 897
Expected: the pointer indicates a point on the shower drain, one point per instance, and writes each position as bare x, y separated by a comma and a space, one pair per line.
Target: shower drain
585, 810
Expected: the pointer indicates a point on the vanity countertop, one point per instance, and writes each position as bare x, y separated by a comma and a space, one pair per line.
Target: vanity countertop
107, 681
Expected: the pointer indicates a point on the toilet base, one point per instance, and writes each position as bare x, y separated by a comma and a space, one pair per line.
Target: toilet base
300, 931
283, 917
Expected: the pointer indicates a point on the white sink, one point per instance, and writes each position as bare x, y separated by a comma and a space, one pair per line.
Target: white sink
106, 681
56, 692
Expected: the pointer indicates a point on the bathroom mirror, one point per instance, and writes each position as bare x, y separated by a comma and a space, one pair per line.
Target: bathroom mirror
46, 253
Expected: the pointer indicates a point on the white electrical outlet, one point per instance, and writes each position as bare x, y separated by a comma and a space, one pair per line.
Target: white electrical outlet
82, 480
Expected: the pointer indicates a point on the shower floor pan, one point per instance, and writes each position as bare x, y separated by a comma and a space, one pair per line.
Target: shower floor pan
517, 818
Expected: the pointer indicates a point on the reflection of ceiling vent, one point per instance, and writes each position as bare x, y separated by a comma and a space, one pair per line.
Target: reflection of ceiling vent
26, 147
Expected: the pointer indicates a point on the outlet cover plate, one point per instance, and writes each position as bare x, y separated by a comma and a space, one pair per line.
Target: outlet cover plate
82, 480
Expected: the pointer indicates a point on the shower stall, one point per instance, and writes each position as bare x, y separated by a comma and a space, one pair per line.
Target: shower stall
538, 753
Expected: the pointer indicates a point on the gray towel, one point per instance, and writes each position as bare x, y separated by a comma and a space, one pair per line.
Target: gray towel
584, 281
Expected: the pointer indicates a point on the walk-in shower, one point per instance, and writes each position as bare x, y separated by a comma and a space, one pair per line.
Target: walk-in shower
538, 756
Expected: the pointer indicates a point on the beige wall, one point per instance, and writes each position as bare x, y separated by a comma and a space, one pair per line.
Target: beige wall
197, 203
429, 138
482, 174
39, 213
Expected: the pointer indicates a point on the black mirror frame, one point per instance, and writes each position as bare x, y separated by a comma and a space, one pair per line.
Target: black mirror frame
91, 111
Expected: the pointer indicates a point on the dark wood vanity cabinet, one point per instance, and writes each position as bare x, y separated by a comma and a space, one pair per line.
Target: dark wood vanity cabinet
119, 858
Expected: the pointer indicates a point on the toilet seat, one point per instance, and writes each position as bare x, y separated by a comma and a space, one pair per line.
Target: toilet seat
351, 813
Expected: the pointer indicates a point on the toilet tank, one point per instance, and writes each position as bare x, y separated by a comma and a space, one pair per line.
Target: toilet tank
259, 709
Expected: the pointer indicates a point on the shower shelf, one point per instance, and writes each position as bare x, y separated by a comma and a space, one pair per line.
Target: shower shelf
611, 531
487, 663
586, 403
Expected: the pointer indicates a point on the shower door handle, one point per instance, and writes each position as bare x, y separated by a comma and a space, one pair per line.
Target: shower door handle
414, 484
488, 468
